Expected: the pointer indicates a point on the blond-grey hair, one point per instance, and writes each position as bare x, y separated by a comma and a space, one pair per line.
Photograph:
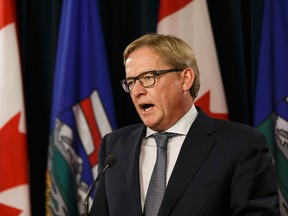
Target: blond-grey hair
172, 50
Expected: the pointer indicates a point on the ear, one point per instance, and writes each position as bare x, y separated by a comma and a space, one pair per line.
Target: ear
187, 79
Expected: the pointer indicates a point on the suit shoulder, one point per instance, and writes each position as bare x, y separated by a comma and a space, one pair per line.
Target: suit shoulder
239, 132
235, 126
224, 126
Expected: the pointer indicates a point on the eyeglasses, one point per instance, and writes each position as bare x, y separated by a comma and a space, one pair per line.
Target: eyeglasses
146, 79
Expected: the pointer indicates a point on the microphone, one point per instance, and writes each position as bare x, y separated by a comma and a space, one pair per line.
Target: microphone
109, 162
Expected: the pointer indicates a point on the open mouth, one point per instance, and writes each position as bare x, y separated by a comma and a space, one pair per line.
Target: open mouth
146, 107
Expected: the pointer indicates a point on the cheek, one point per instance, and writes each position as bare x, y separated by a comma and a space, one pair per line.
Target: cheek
173, 98
168, 100
173, 92
178, 86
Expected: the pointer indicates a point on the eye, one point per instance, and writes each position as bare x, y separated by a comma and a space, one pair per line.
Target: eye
147, 77
130, 82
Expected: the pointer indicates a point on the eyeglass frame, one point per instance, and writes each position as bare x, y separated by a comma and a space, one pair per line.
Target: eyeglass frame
154, 73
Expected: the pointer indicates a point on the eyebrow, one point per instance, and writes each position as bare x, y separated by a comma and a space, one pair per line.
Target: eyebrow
130, 77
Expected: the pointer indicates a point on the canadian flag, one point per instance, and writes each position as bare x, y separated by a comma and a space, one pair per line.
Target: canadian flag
14, 187
189, 20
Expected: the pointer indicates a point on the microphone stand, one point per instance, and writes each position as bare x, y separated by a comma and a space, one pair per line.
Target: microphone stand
109, 162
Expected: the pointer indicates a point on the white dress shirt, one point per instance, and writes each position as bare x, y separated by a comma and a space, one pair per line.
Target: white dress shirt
149, 150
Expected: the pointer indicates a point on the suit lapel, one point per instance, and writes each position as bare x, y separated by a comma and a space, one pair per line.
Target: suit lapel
131, 153
195, 149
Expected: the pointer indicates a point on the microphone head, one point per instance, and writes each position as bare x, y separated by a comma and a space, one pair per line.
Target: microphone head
110, 161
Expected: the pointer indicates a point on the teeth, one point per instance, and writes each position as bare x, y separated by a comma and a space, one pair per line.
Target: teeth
147, 108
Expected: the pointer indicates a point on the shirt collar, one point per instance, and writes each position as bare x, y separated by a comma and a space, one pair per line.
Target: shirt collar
182, 126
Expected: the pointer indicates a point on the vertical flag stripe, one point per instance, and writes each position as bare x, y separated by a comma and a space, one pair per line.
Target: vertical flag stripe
167, 8
7, 14
14, 181
189, 20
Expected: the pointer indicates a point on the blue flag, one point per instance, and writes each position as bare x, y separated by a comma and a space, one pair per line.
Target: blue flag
82, 111
271, 107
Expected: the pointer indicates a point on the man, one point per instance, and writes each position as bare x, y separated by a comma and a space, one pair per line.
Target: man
213, 167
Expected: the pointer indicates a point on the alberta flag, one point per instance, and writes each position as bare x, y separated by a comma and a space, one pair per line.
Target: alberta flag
271, 107
190, 21
82, 109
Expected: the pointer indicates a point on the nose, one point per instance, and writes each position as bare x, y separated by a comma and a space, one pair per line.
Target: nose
138, 89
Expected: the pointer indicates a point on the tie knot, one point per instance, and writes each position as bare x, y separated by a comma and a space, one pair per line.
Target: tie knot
162, 139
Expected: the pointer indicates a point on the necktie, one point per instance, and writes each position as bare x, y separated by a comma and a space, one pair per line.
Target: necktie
157, 184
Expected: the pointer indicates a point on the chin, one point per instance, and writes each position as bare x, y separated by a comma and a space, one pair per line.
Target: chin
149, 124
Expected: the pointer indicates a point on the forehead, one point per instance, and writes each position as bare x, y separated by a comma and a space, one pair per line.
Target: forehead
141, 60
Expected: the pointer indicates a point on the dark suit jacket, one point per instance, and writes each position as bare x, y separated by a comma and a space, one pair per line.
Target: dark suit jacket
223, 168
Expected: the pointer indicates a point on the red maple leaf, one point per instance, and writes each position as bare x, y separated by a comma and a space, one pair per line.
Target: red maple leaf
204, 103
13, 155
7, 210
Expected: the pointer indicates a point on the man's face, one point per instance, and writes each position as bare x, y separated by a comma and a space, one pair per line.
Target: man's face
163, 104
